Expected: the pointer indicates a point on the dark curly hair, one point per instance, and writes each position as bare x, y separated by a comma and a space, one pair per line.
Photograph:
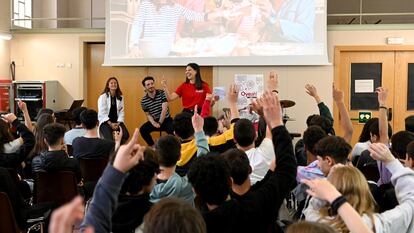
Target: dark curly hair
311, 136
142, 174
210, 177
335, 147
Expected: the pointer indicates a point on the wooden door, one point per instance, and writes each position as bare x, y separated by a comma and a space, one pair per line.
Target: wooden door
130, 82
343, 80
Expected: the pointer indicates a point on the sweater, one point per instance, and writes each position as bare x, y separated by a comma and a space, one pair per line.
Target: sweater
256, 211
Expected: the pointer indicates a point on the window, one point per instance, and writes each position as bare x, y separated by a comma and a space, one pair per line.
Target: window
22, 9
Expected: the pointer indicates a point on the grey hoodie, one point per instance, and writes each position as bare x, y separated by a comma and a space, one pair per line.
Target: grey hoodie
176, 186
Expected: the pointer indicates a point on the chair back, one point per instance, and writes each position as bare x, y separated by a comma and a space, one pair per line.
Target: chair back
58, 187
7, 221
70, 150
92, 169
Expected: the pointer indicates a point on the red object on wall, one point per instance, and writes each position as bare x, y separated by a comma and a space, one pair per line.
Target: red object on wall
4, 95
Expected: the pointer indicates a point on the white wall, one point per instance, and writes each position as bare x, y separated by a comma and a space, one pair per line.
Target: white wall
38, 55
4, 45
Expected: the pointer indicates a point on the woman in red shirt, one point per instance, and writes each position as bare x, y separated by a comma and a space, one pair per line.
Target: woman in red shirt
192, 92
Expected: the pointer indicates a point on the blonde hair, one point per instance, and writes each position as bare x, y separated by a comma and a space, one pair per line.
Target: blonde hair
352, 184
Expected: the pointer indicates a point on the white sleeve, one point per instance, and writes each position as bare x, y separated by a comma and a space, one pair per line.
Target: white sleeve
311, 212
399, 219
121, 113
103, 110
267, 150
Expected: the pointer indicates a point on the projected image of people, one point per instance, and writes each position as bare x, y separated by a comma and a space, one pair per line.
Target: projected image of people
154, 28
217, 32
288, 20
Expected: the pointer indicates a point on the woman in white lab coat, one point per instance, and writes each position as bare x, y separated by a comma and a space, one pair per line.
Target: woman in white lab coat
111, 111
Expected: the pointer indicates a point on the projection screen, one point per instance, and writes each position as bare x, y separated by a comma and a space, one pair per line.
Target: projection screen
215, 32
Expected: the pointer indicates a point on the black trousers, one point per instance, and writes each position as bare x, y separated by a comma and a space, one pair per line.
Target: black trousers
105, 131
147, 128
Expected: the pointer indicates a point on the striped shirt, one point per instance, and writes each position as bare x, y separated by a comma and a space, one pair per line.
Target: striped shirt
150, 23
153, 106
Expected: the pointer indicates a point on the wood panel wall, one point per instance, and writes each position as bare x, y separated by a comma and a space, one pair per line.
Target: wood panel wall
130, 83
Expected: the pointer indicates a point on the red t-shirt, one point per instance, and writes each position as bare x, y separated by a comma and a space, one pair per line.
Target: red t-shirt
190, 96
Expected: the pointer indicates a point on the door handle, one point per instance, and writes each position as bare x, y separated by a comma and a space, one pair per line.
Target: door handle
389, 114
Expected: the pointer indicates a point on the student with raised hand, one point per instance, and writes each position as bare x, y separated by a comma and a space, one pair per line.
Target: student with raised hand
210, 177
352, 184
346, 124
323, 109
14, 159
105, 196
325, 191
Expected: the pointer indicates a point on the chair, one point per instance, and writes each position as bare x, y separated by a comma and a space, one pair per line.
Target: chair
7, 221
58, 187
92, 168
65, 115
70, 150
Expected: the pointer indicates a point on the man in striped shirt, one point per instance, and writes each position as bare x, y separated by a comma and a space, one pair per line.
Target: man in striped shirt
155, 106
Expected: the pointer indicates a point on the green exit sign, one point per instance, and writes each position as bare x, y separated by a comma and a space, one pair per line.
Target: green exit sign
363, 117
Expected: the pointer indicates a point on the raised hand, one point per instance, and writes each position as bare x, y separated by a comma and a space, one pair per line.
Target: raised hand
312, 91
379, 151
382, 95
22, 106
338, 95
233, 94
65, 217
164, 83
272, 111
118, 135
9, 118
197, 120
129, 154
257, 106
272, 81
321, 189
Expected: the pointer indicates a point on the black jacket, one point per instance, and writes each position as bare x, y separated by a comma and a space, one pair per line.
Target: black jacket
255, 211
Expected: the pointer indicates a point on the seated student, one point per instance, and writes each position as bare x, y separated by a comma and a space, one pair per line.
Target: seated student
210, 177
22, 210
90, 145
169, 183
78, 130
56, 158
311, 136
409, 123
324, 120
260, 157
14, 159
133, 200
351, 183
364, 139
169, 149
173, 215
240, 171
210, 126
105, 195
192, 143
